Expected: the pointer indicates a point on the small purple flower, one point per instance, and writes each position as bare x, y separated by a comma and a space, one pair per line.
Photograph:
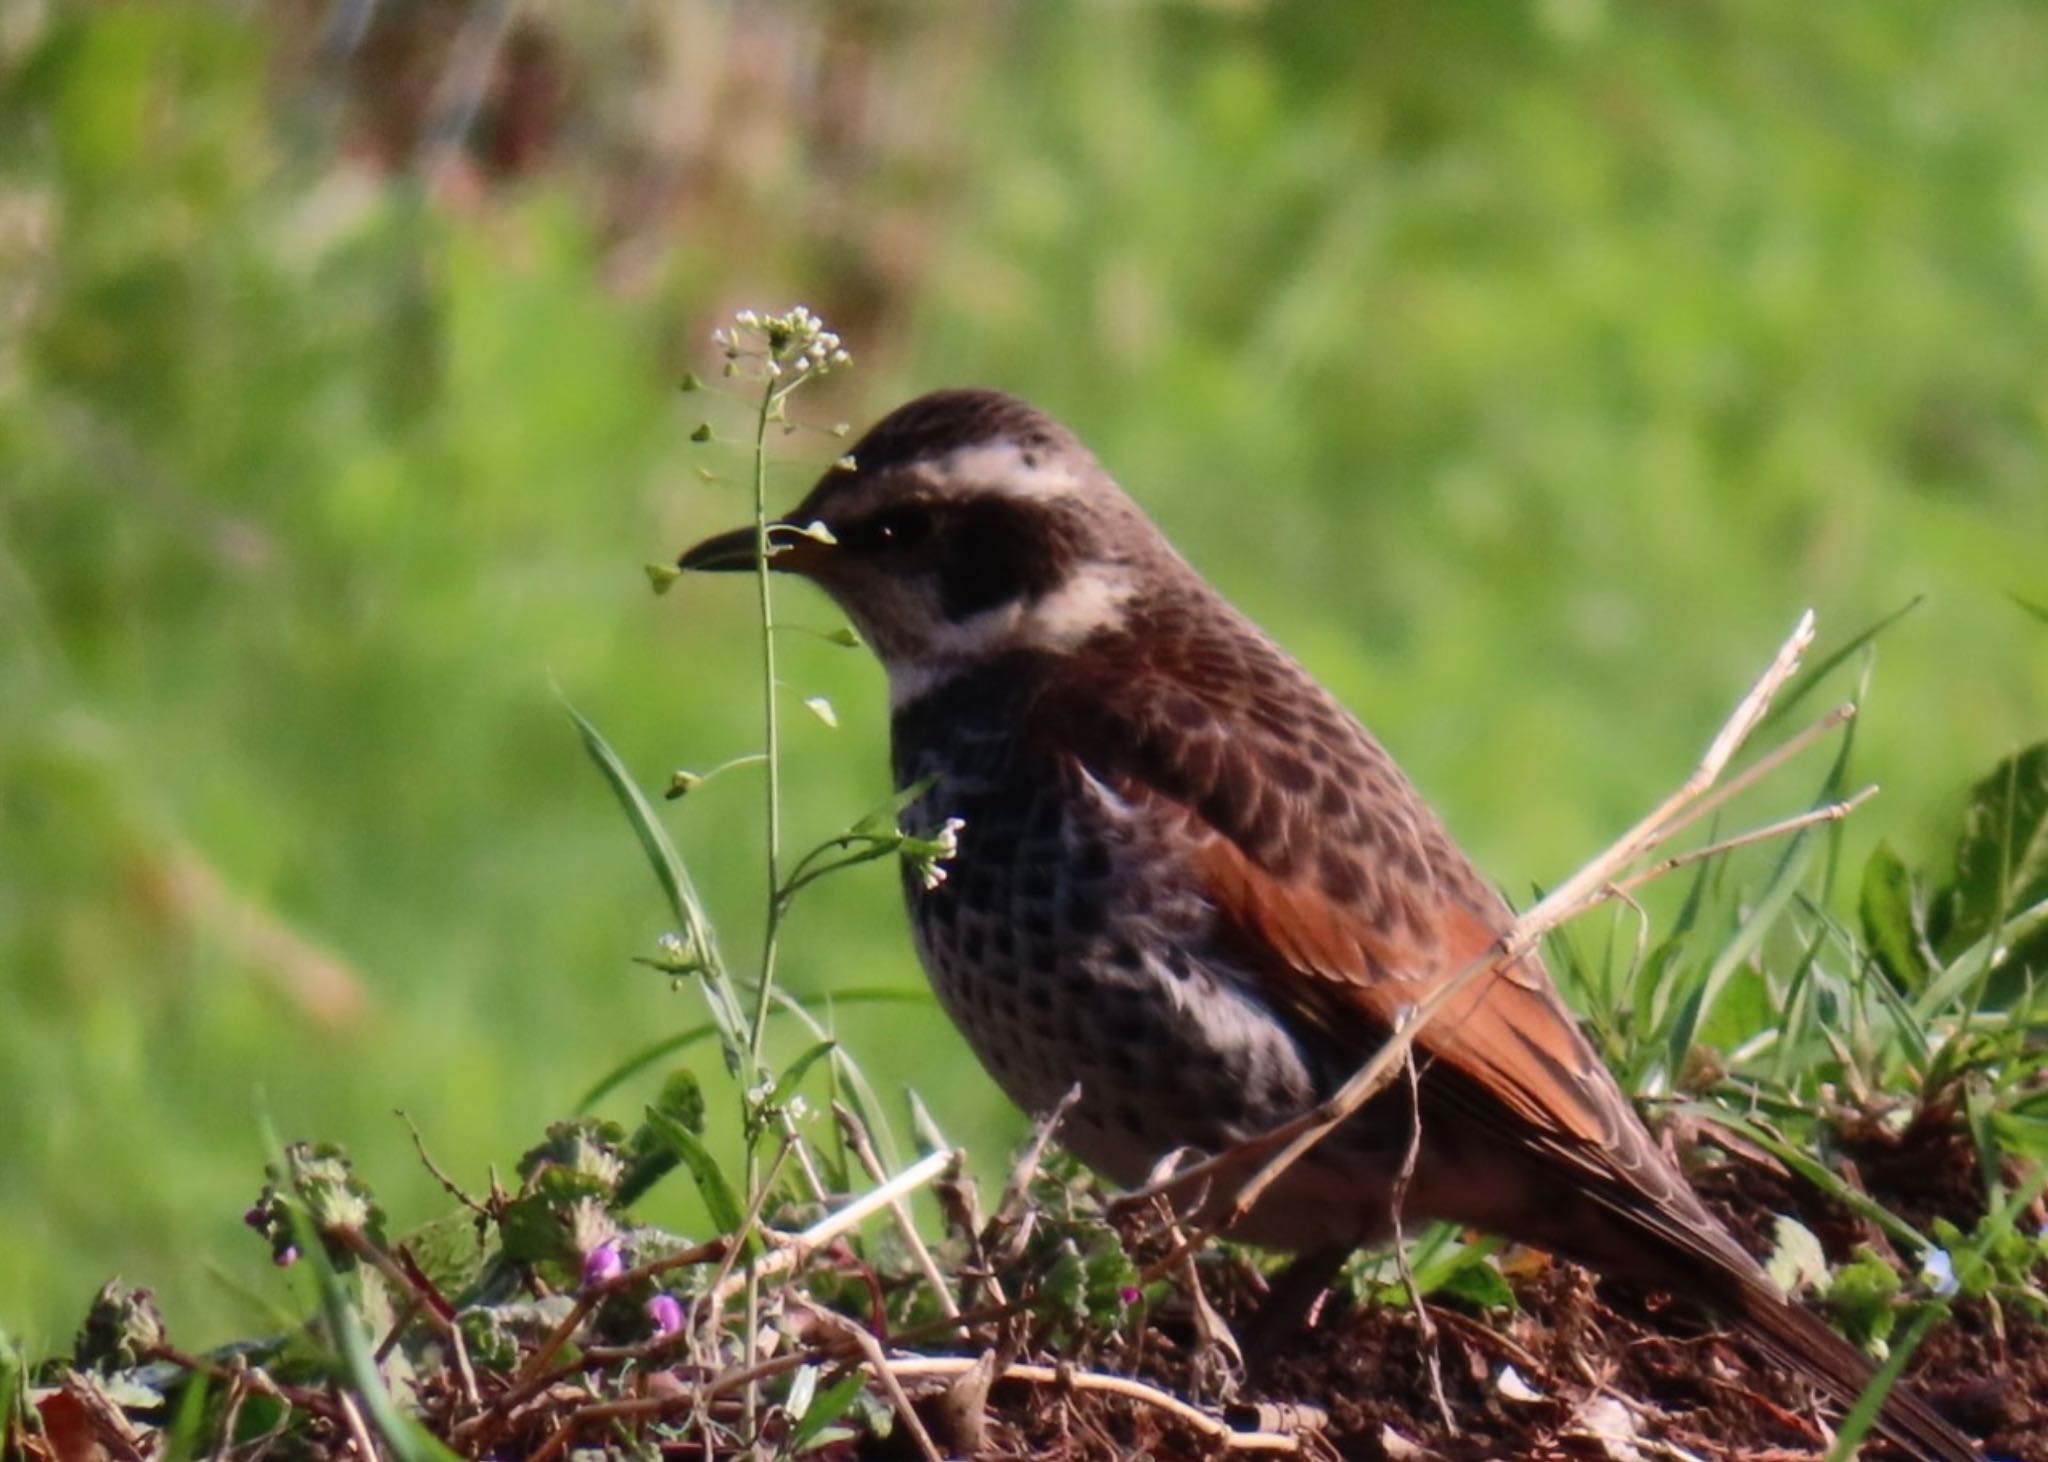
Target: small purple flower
666, 1311
286, 1257
255, 1217
1130, 1294
602, 1264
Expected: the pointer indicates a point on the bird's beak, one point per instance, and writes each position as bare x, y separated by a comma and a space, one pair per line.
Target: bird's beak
791, 550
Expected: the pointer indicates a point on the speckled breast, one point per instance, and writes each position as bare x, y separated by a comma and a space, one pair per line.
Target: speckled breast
1069, 945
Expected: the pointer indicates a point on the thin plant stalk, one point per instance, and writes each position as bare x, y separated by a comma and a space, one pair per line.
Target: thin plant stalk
771, 933
771, 730
796, 346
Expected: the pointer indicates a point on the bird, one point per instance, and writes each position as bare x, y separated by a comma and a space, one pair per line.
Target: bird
1189, 882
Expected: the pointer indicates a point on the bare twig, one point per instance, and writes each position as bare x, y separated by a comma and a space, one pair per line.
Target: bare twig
1719, 797
1068, 1378
420, 1304
1830, 812
798, 1247
453, 1188
1432, 1357
884, 1371
358, 1434
710, 1306
864, 1152
1034, 1154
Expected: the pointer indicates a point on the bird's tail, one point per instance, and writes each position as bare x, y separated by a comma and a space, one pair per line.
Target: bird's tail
1676, 1246
1797, 1338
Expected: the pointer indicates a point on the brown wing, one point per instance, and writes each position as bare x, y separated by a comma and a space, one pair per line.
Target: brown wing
1344, 896
1506, 1031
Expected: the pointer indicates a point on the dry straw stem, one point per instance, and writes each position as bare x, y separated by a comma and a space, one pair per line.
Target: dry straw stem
1069, 1379
864, 1150
537, 1374
358, 1434
1592, 884
793, 1249
891, 1383
891, 1372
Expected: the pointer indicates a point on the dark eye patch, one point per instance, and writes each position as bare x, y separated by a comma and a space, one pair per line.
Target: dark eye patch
996, 552
893, 529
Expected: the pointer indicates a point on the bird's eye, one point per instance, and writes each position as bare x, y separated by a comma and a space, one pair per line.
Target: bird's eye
892, 528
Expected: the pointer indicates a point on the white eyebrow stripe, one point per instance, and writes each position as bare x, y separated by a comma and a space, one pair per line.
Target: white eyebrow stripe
1006, 468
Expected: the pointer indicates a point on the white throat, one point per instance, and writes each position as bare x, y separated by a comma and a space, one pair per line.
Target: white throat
1091, 601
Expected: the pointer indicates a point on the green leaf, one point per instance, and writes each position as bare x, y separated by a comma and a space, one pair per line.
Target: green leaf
407, 1439
1861, 1294
1479, 1283
181, 1439
793, 1077
1797, 1262
539, 1226
447, 1250
1893, 926
587, 1145
13, 1387
1699, 1002
882, 818
654, 1155
825, 1408
675, 881
682, 1099
2001, 855
719, 1199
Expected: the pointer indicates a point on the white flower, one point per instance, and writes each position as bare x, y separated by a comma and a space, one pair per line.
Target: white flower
929, 856
1939, 1272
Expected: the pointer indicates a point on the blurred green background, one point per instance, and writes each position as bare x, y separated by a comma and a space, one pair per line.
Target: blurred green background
1525, 367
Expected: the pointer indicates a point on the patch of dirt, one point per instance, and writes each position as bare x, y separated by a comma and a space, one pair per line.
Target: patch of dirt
1587, 1355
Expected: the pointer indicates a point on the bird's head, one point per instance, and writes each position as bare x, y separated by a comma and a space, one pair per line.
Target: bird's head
966, 524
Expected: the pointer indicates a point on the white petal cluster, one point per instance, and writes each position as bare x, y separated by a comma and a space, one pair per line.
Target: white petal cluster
782, 348
930, 856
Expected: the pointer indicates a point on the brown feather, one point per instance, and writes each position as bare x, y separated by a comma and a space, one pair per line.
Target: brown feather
1343, 943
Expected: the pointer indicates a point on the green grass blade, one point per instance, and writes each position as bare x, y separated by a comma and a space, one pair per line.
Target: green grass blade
1698, 1004
674, 877
1821, 669
724, 1206
654, 839
791, 1079
1813, 1170
1863, 1415
639, 1061
860, 1094
407, 1439
13, 1394
181, 1438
